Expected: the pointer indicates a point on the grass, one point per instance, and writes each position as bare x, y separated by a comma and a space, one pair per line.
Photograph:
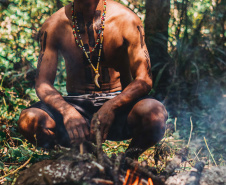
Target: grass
17, 153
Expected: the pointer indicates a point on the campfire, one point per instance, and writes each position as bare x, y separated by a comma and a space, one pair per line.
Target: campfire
72, 166
88, 164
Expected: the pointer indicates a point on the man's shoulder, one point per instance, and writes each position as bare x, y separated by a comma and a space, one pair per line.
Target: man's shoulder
57, 20
121, 13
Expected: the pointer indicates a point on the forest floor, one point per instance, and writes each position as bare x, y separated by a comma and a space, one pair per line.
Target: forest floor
17, 154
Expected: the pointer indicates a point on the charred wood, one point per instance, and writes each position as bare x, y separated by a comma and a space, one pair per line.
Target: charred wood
196, 173
102, 181
175, 163
117, 164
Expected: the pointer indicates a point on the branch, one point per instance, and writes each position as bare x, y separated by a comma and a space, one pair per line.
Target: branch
98, 140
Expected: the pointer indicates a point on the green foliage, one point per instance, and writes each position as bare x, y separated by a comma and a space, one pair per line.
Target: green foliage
20, 22
197, 88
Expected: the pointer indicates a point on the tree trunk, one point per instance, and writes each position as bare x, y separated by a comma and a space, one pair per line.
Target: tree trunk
156, 29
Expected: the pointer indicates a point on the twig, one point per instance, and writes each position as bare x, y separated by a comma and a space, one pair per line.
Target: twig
81, 148
100, 167
185, 165
209, 151
18, 139
8, 133
175, 124
196, 156
13, 172
115, 147
199, 151
190, 132
101, 181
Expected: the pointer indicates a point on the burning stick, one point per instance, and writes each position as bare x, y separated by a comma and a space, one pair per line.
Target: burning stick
138, 181
157, 180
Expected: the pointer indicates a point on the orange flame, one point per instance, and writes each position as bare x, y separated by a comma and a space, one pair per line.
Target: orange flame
129, 178
136, 181
150, 182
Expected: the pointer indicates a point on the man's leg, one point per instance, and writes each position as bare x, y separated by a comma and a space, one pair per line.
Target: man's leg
36, 121
147, 118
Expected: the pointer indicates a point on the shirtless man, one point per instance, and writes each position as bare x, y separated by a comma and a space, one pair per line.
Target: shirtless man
123, 107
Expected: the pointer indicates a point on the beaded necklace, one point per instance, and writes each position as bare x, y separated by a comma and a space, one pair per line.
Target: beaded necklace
99, 40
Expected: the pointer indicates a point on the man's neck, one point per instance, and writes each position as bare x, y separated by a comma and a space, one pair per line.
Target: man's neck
88, 7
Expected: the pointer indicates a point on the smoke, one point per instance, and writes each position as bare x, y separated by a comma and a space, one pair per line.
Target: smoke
206, 105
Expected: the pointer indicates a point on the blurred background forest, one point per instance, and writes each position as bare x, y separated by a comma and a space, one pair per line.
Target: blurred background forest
186, 40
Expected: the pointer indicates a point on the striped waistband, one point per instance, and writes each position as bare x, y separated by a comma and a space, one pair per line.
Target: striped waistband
94, 95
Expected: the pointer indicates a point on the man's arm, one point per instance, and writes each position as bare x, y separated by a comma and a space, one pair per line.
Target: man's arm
45, 76
140, 67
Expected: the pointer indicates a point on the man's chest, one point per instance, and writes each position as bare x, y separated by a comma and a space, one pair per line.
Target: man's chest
112, 52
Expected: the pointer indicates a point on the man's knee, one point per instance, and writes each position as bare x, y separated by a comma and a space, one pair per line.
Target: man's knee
157, 114
151, 113
27, 122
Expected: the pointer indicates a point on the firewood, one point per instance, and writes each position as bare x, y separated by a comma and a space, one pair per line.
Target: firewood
116, 171
98, 140
101, 168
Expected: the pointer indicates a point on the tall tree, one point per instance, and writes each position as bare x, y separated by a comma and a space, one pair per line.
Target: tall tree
156, 29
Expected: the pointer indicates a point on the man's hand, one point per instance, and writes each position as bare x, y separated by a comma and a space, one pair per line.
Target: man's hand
75, 125
106, 116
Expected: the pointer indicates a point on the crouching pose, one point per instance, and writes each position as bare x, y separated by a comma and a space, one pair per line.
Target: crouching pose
108, 72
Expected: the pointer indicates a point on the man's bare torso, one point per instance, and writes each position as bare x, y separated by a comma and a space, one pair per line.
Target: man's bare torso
114, 65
